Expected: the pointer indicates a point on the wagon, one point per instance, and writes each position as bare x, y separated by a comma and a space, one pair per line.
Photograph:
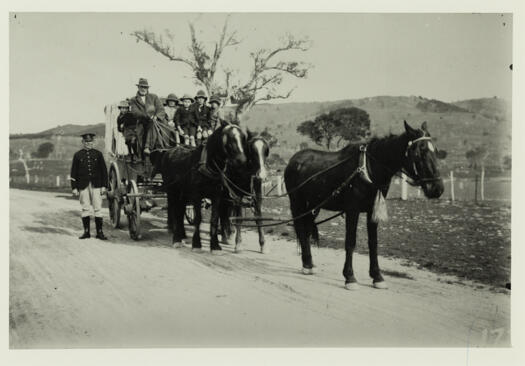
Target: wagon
132, 190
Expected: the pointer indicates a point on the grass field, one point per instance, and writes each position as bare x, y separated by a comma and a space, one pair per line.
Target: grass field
469, 240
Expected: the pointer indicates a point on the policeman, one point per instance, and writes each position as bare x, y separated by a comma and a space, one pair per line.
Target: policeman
89, 180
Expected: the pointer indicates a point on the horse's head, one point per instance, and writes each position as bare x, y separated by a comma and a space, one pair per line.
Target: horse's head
257, 151
421, 161
233, 141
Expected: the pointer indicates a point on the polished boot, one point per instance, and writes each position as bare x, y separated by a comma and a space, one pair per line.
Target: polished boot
98, 224
85, 222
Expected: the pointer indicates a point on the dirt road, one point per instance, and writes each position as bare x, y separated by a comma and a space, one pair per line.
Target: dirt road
68, 293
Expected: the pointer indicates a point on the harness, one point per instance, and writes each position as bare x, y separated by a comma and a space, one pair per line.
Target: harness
362, 170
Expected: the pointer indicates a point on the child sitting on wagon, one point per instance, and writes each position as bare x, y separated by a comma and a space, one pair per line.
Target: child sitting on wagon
202, 117
128, 126
185, 120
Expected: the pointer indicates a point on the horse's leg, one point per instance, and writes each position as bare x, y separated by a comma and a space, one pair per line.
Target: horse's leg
374, 271
171, 206
176, 222
196, 240
224, 219
258, 212
237, 211
352, 218
298, 208
214, 223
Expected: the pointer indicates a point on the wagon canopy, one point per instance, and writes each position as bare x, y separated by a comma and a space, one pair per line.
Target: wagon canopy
115, 143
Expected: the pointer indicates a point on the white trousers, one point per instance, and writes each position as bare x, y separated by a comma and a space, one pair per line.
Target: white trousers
90, 198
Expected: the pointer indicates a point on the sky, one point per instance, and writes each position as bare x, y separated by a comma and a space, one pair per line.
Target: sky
65, 67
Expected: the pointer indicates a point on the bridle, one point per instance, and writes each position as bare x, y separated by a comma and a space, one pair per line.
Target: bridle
414, 178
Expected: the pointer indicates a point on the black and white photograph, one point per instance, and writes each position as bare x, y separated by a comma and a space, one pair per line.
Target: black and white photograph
267, 179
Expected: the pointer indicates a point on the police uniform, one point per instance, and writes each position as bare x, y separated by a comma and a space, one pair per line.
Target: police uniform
88, 176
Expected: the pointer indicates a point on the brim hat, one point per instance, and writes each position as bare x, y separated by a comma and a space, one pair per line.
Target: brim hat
186, 96
88, 137
143, 82
123, 104
172, 97
201, 94
215, 99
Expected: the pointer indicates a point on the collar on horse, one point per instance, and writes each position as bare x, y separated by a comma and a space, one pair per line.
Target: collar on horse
363, 166
206, 170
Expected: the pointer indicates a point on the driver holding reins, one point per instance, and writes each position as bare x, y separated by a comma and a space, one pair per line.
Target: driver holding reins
148, 108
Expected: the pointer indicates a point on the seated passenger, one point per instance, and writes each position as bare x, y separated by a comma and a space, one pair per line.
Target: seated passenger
202, 116
147, 107
170, 109
216, 116
185, 120
128, 126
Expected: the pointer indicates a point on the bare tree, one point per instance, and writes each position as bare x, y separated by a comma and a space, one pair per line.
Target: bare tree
267, 73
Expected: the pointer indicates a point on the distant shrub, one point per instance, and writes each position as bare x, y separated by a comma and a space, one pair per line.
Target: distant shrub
43, 150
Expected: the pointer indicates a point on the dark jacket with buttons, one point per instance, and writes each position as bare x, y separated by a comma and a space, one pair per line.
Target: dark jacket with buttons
185, 117
202, 115
88, 166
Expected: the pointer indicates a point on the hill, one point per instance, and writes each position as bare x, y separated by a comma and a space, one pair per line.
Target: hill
456, 127
63, 130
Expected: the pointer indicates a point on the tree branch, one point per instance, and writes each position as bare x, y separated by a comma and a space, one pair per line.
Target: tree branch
150, 39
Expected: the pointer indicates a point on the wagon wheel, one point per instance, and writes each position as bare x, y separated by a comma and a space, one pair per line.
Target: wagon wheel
133, 211
114, 198
189, 214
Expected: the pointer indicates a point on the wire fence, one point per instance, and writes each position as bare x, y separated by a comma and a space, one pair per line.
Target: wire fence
456, 189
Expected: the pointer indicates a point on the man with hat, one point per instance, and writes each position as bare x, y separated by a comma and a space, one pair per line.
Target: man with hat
185, 121
202, 115
128, 125
89, 180
147, 107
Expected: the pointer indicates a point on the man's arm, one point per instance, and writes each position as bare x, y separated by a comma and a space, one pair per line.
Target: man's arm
160, 113
74, 173
103, 172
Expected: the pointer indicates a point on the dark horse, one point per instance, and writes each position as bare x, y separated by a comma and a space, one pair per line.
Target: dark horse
245, 181
185, 183
350, 182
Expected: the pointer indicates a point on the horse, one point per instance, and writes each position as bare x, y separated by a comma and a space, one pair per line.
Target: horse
351, 180
245, 181
185, 182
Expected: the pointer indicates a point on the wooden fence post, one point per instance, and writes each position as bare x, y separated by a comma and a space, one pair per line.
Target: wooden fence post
452, 193
404, 187
36, 179
278, 184
58, 180
482, 184
476, 188
283, 185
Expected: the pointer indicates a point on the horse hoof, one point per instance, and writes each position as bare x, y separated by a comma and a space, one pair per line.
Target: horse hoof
226, 241
308, 271
380, 285
197, 250
352, 286
217, 252
237, 250
178, 245
264, 250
